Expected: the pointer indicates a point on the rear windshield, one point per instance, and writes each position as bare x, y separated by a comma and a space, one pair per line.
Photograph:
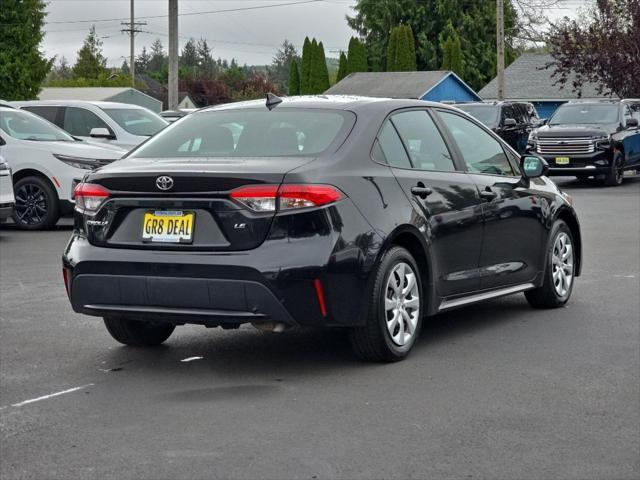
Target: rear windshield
137, 121
585, 114
28, 126
248, 133
486, 114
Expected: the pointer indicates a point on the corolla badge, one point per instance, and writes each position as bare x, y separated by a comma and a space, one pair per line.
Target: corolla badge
164, 182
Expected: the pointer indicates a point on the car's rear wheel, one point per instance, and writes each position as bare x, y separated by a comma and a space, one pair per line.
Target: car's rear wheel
559, 273
395, 310
616, 171
138, 333
37, 206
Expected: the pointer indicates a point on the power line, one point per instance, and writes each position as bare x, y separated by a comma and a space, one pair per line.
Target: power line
237, 9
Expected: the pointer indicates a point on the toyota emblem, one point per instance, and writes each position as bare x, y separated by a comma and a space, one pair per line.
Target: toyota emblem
164, 183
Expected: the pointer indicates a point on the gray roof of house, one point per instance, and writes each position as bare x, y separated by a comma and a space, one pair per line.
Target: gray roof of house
527, 79
388, 84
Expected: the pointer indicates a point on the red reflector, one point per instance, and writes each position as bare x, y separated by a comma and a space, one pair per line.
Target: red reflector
320, 294
66, 275
90, 190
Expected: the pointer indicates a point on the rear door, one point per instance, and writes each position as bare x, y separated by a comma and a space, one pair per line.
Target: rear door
631, 135
514, 234
79, 122
445, 200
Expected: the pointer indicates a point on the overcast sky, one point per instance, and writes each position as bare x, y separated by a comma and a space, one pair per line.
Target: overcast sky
250, 35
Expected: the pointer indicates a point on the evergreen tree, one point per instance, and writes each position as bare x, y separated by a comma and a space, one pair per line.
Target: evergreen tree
158, 58
305, 66
23, 68
142, 61
294, 78
90, 62
342, 67
321, 72
357, 56
452, 55
205, 58
280, 69
392, 50
405, 60
189, 56
411, 64
125, 68
312, 87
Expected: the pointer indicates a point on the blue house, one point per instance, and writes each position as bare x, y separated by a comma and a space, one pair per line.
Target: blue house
436, 86
528, 80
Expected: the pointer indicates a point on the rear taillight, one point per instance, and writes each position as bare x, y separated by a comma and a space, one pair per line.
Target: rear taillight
66, 275
89, 196
269, 198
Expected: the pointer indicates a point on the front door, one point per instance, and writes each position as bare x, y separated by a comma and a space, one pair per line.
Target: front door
514, 233
446, 206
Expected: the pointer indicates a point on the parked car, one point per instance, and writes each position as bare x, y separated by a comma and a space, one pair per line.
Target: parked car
120, 124
47, 163
7, 200
328, 211
173, 115
591, 139
512, 121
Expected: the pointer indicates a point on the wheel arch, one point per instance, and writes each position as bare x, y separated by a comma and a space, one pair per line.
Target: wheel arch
31, 172
570, 218
411, 239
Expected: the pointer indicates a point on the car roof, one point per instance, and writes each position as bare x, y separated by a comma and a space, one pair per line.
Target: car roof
78, 103
335, 102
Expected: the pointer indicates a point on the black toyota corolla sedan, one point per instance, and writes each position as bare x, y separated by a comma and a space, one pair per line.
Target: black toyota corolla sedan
362, 213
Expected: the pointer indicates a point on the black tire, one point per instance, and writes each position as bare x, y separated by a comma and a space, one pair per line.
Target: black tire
138, 333
373, 341
615, 176
547, 295
37, 204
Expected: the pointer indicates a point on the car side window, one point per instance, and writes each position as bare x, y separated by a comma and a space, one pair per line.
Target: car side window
635, 110
423, 141
481, 152
392, 148
48, 112
80, 121
627, 113
508, 112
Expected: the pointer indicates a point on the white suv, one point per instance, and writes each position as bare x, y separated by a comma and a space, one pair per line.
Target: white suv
47, 163
119, 124
7, 200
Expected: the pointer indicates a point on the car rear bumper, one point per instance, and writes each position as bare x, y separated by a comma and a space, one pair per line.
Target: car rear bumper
314, 279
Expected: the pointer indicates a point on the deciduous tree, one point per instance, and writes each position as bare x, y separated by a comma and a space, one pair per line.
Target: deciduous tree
603, 47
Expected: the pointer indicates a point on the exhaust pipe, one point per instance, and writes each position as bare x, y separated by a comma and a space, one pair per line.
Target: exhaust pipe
272, 327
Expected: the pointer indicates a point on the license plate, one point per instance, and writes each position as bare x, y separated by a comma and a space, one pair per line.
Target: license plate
168, 226
562, 160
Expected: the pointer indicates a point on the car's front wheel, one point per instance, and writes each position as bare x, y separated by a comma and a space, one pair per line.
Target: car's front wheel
559, 274
36, 205
616, 171
138, 333
395, 310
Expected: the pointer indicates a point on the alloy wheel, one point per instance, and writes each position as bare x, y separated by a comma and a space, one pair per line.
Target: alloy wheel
402, 304
562, 264
31, 204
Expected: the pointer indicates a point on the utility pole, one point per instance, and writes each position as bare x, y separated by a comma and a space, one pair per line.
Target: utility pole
173, 54
500, 46
132, 30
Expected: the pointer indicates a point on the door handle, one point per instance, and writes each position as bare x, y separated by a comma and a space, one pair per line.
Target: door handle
488, 195
421, 191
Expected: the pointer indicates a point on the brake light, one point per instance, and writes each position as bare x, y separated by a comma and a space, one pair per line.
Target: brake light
90, 196
66, 275
269, 198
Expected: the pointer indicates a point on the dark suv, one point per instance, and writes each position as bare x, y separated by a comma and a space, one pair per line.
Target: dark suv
591, 139
513, 121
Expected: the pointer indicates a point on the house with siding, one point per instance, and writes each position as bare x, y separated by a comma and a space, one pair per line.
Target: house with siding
528, 80
436, 86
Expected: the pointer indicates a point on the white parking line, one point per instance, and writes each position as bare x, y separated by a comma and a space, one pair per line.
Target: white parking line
45, 397
190, 359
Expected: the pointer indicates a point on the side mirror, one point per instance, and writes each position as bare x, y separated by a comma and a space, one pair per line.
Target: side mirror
632, 123
100, 132
510, 123
534, 166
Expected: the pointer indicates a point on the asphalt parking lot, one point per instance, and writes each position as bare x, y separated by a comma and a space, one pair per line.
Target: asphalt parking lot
493, 391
